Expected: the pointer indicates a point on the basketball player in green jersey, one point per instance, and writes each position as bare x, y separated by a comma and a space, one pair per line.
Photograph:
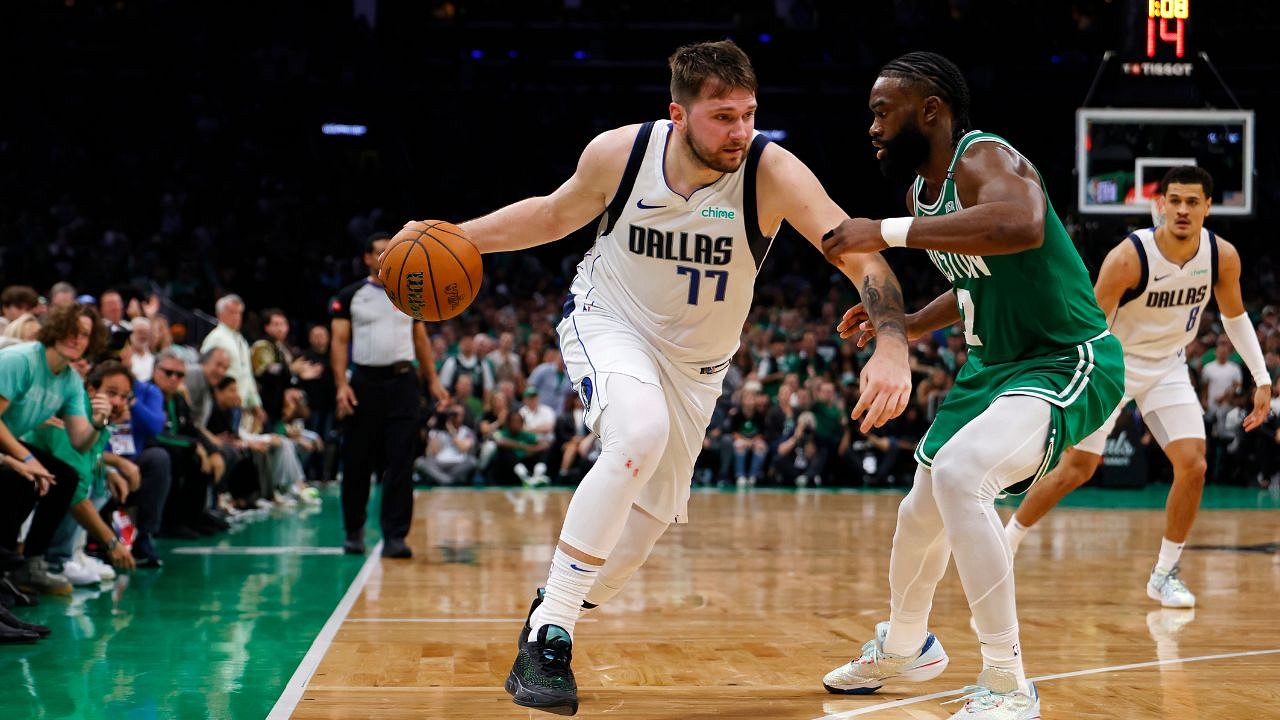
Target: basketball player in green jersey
1043, 372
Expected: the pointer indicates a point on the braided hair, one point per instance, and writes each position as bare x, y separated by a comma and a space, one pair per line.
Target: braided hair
935, 75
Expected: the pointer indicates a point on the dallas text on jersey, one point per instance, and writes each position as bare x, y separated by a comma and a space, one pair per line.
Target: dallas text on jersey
702, 249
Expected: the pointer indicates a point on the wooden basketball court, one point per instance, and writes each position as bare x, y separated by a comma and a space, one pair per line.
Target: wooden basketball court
741, 613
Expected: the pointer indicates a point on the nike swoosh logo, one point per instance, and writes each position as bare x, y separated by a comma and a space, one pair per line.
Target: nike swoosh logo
1158, 278
575, 567
640, 204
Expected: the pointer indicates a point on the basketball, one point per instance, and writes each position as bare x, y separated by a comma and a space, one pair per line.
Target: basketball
432, 271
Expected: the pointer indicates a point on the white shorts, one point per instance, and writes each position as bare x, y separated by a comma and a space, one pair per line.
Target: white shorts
1166, 399
595, 344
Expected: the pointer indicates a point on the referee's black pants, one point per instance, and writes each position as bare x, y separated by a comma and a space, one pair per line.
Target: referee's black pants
381, 435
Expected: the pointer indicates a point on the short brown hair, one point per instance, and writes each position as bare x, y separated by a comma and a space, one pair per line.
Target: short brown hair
723, 62
63, 322
20, 295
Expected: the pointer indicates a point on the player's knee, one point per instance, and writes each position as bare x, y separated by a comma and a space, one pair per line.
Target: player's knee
1192, 469
955, 479
1077, 468
643, 440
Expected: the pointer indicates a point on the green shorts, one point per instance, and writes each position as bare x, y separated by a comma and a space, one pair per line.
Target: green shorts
1083, 385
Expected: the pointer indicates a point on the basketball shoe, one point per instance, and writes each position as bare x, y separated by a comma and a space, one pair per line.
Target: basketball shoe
997, 697
868, 673
537, 600
541, 676
1169, 589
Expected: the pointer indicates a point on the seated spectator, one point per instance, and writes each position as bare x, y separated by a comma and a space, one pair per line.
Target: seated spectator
467, 362
515, 449
200, 383
449, 459
24, 328
194, 468
143, 361
539, 419
793, 460
746, 426
16, 301
37, 383
113, 381
569, 431
551, 380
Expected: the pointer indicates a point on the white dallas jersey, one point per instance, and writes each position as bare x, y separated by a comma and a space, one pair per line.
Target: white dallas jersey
680, 271
1157, 319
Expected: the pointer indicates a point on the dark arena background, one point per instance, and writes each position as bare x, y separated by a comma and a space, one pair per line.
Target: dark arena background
158, 156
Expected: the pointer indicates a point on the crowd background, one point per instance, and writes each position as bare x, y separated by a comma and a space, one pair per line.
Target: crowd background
165, 163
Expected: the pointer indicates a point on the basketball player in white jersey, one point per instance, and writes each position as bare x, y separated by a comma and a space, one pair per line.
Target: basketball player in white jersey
1153, 287
689, 208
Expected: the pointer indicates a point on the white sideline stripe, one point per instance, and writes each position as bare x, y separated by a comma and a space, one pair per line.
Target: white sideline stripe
250, 550
292, 694
1044, 678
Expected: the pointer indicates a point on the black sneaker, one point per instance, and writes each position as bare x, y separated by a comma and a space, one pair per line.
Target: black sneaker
11, 620
537, 600
354, 544
541, 677
396, 548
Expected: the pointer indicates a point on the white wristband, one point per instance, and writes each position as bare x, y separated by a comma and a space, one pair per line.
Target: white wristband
894, 230
1245, 338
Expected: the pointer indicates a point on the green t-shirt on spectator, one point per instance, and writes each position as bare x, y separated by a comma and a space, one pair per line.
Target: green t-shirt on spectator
524, 437
34, 393
88, 465
828, 420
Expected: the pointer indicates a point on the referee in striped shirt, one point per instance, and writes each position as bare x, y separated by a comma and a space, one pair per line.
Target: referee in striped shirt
379, 403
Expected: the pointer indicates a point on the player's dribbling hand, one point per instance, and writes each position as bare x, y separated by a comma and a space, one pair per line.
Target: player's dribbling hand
885, 388
854, 235
1261, 407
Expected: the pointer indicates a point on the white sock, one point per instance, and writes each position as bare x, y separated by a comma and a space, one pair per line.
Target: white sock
1002, 651
568, 583
1015, 532
905, 638
1170, 552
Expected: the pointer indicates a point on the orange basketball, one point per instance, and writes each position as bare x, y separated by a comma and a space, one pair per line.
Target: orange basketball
433, 271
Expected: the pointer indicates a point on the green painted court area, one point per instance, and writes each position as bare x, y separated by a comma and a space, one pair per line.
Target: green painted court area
206, 636
219, 631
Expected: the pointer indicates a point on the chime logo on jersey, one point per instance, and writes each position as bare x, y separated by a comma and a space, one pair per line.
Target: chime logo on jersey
1177, 298
685, 247
717, 213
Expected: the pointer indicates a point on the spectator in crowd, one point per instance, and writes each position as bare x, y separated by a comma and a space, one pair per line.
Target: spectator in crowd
37, 382
505, 361
62, 293
24, 328
550, 379
539, 419
796, 452
112, 307
320, 390
16, 301
569, 431
194, 469
200, 384
516, 448
746, 425
449, 459
467, 362
143, 360
272, 363
230, 311
112, 380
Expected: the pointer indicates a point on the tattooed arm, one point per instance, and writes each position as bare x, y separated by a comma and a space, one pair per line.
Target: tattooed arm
788, 190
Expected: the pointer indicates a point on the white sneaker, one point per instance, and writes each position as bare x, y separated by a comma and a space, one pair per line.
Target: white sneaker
868, 673
522, 472
997, 697
77, 574
802, 481
742, 481
105, 572
1169, 590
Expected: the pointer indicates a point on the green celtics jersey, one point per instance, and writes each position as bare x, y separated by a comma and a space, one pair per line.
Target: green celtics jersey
1031, 303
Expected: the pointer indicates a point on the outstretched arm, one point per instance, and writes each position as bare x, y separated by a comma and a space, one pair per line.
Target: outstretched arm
1004, 210
540, 220
789, 190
